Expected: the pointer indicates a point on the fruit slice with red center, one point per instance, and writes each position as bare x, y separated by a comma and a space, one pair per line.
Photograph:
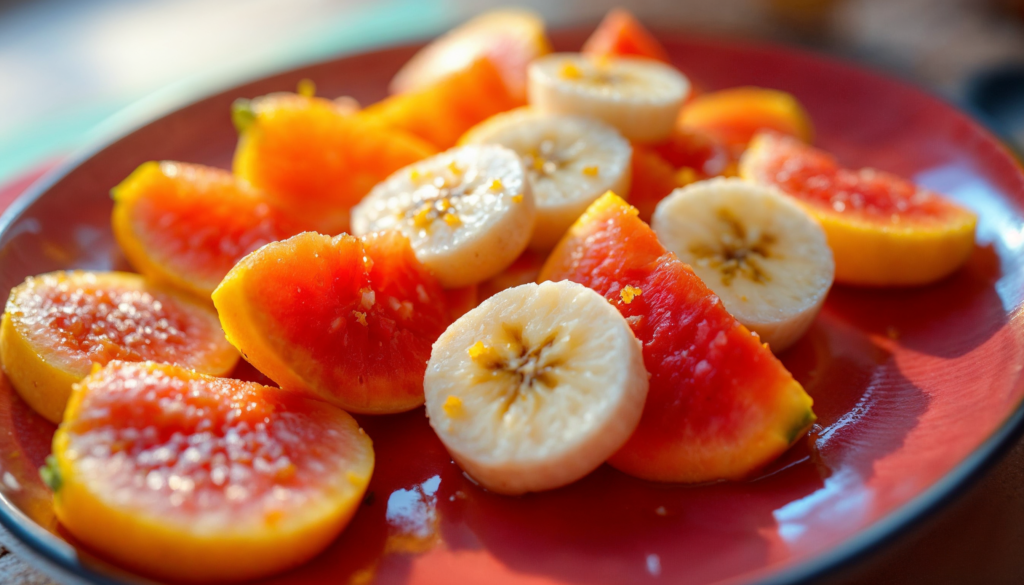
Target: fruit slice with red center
733, 116
347, 319
620, 34
187, 225
57, 325
883, 230
187, 477
720, 405
314, 158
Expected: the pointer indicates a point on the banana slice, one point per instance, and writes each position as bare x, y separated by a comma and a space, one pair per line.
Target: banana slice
468, 212
536, 387
639, 97
764, 256
570, 162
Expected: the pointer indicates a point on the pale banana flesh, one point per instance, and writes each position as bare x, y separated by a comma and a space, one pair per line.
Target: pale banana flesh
639, 97
468, 212
536, 387
570, 161
764, 256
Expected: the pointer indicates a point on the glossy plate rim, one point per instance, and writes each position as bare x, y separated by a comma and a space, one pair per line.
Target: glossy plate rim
56, 557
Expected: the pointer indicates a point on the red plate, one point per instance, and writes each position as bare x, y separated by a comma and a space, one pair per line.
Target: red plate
915, 389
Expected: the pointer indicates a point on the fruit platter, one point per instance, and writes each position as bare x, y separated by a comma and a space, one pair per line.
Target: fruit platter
513, 306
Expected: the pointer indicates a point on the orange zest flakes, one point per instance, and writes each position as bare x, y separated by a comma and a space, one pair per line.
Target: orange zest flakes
591, 171
478, 350
422, 218
452, 220
444, 204
570, 71
454, 168
306, 88
484, 356
685, 176
416, 176
360, 317
453, 407
496, 185
629, 292
517, 198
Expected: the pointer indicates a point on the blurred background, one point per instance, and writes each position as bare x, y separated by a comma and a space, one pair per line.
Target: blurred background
68, 67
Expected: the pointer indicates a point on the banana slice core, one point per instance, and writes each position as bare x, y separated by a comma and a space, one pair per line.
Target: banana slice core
760, 252
536, 387
468, 212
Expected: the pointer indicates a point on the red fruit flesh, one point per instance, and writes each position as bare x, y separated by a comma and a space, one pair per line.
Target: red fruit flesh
620, 34
816, 178
189, 224
95, 321
351, 320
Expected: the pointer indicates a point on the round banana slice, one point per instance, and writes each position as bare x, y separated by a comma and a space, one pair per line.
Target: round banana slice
570, 162
639, 97
536, 387
468, 212
764, 256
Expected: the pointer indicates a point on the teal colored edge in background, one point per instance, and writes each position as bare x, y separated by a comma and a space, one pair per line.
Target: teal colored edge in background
361, 27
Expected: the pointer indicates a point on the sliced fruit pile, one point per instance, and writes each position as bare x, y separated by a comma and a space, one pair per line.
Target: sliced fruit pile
345, 255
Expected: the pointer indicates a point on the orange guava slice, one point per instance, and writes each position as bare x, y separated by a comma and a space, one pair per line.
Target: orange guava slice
187, 225
349, 320
509, 37
733, 116
442, 112
883, 230
315, 159
191, 478
720, 405
57, 325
